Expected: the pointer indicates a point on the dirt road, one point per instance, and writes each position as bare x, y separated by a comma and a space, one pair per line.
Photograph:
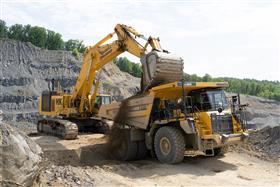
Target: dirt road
87, 161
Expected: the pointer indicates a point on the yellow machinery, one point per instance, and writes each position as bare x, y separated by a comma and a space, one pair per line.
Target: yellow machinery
66, 113
176, 119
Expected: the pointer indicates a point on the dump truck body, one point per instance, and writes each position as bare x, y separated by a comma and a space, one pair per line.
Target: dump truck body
197, 111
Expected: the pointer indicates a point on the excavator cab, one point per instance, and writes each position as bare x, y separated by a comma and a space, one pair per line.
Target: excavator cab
102, 99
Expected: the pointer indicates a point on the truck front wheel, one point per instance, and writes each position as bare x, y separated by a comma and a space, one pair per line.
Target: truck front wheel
169, 144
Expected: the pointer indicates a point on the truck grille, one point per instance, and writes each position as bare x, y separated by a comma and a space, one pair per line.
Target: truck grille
222, 124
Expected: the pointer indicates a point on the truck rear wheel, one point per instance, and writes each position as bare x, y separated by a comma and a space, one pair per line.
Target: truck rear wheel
126, 149
141, 150
169, 145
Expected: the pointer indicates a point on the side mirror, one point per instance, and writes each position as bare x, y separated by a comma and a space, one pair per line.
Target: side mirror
220, 109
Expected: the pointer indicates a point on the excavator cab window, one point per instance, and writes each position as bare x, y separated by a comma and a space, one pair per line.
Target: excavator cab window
102, 100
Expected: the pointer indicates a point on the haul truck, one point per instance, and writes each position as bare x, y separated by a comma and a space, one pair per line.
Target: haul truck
176, 119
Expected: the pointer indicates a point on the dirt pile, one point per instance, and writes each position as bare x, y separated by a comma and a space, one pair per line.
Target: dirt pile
264, 143
26, 71
20, 157
266, 140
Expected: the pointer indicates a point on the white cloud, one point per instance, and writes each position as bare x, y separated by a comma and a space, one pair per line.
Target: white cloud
222, 38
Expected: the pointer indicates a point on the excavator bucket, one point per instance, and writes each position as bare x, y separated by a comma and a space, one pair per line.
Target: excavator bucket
160, 68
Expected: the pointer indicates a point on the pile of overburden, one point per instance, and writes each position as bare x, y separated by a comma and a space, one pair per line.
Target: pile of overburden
265, 142
20, 157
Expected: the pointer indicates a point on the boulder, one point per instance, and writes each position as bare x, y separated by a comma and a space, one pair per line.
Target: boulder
20, 157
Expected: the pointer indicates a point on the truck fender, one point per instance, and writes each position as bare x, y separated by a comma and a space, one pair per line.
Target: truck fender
188, 126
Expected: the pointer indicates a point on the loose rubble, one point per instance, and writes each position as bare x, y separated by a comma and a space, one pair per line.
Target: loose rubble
263, 143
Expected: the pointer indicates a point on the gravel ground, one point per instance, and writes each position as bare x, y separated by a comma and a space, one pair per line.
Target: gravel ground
87, 162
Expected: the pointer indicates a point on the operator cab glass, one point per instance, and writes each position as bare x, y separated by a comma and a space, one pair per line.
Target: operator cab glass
102, 100
209, 100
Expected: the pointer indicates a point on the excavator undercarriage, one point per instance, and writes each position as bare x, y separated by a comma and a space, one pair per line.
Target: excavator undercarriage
68, 129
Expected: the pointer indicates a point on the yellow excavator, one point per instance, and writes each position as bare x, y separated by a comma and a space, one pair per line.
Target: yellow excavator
65, 114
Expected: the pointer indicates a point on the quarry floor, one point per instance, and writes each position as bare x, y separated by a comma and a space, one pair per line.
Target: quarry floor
86, 161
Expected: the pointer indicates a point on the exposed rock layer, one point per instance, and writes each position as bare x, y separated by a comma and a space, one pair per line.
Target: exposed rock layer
26, 71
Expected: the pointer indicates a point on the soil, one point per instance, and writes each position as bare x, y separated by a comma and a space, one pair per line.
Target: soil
86, 161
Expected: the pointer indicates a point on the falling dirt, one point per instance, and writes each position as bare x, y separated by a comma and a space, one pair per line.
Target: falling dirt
86, 161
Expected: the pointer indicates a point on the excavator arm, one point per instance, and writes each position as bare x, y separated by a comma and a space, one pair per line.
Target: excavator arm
100, 54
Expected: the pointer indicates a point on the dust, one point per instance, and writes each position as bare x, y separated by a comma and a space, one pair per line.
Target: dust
114, 140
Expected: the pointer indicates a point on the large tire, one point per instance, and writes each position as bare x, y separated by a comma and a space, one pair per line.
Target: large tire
169, 145
126, 150
141, 150
221, 151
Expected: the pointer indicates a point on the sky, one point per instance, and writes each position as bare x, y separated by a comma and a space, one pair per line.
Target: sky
224, 38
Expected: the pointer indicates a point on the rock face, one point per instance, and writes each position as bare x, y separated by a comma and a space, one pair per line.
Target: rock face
261, 112
26, 71
20, 157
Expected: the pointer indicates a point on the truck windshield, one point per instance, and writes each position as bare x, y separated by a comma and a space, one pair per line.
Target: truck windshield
207, 100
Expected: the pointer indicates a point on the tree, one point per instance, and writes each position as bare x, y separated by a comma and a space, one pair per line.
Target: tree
37, 36
16, 32
136, 70
127, 66
76, 53
186, 77
3, 29
206, 78
26, 33
54, 40
70, 45
195, 78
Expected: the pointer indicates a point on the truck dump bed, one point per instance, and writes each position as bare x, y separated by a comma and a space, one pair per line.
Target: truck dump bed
134, 111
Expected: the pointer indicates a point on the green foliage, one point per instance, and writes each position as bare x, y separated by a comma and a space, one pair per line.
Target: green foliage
54, 40
3, 29
16, 32
76, 53
126, 65
266, 89
40, 37
70, 45
136, 70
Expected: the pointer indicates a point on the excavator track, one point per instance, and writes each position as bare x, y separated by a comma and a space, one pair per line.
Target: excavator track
58, 127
